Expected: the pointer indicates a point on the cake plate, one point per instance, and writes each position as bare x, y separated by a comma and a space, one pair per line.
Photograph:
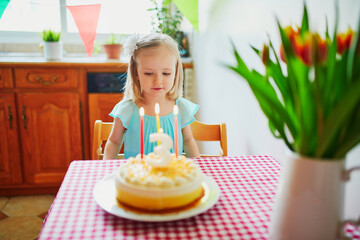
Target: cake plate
104, 195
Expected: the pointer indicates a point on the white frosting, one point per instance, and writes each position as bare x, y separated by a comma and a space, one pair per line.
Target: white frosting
181, 176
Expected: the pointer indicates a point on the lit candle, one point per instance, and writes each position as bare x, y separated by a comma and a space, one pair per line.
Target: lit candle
176, 110
157, 111
142, 112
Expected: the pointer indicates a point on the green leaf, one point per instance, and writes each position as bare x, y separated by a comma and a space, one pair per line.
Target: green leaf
257, 51
327, 35
331, 61
352, 141
241, 66
281, 81
274, 130
352, 55
273, 101
266, 100
266, 103
286, 42
292, 77
350, 133
305, 22
50, 36
342, 112
341, 83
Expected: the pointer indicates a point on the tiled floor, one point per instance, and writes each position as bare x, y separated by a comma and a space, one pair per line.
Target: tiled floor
21, 217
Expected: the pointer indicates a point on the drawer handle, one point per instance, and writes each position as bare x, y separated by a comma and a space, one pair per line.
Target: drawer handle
41, 81
24, 118
10, 117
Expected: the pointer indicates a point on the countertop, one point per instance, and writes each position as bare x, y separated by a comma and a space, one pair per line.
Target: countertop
69, 60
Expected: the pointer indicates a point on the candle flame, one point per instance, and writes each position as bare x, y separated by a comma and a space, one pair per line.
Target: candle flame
142, 111
176, 110
157, 108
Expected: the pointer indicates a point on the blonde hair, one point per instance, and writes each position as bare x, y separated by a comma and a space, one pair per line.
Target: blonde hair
134, 45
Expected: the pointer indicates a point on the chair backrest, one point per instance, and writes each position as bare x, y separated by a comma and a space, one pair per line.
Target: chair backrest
201, 132
101, 134
211, 132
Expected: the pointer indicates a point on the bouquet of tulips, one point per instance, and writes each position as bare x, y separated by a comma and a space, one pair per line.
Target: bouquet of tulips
311, 96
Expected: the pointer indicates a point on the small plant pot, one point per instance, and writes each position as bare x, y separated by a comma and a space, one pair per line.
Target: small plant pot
113, 51
53, 50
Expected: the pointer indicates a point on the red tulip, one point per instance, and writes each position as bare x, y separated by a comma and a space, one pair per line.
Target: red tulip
321, 51
265, 55
344, 40
309, 47
304, 48
282, 53
291, 33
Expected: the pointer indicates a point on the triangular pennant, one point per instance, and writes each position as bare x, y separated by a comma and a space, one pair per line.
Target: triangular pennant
86, 18
3, 5
190, 9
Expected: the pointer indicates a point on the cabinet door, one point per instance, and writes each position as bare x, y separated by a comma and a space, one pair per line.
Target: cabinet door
51, 135
100, 105
10, 167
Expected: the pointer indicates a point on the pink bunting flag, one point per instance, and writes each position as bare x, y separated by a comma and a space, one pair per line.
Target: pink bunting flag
86, 18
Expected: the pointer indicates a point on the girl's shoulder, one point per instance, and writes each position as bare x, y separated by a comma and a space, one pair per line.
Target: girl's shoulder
125, 105
186, 105
187, 110
125, 102
124, 110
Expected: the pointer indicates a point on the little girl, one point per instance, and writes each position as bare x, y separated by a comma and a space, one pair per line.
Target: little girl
155, 75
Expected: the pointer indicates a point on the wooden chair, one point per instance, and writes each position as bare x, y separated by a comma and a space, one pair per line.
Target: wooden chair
210, 132
101, 134
201, 132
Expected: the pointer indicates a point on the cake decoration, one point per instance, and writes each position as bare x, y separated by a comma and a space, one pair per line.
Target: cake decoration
163, 157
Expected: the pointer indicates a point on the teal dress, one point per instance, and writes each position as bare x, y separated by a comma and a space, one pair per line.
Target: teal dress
128, 112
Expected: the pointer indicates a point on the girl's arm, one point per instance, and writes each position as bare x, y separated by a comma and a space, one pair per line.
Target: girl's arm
113, 144
190, 147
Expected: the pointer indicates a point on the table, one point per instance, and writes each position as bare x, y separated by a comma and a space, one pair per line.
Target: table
248, 185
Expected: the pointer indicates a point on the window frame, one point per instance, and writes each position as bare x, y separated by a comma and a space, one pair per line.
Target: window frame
35, 37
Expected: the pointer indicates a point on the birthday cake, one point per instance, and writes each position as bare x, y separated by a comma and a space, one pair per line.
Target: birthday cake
158, 181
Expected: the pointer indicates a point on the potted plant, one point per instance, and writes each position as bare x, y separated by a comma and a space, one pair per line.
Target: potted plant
167, 19
113, 46
52, 45
312, 102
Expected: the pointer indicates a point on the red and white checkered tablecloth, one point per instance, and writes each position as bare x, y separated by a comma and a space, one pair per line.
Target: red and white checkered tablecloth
247, 183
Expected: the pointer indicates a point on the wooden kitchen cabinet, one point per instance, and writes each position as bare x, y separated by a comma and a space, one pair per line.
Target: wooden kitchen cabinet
48, 78
6, 78
100, 105
50, 130
40, 128
10, 165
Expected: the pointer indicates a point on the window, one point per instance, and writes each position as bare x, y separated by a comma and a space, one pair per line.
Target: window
31, 16
23, 20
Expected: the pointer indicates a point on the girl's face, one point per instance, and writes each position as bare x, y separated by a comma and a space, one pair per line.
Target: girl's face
156, 68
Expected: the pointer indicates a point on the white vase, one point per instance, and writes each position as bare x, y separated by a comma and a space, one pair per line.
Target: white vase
53, 50
309, 201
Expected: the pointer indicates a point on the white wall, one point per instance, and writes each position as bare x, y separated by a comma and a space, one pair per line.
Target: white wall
224, 97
